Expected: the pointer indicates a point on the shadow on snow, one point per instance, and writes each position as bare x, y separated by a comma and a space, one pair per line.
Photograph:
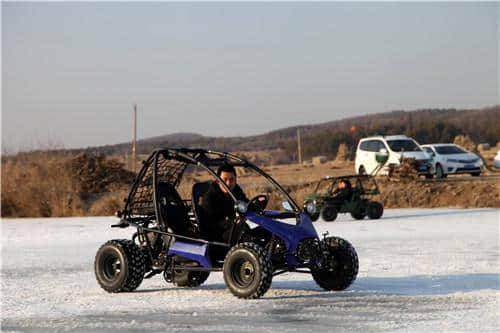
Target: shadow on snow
420, 285
431, 213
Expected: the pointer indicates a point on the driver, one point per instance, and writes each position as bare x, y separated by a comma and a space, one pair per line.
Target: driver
218, 207
343, 191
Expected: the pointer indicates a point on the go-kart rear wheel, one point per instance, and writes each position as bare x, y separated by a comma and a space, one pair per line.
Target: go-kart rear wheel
329, 213
358, 215
374, 210
119, 266
341, 265
248, 270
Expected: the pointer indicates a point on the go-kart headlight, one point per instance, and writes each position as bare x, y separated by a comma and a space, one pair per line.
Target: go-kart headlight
311, 207
241, 207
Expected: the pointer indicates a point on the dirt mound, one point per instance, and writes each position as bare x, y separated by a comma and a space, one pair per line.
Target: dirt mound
419, 194
100, 183
452, 193
455, 191
95, 174
50, 184
465, 142
405, 171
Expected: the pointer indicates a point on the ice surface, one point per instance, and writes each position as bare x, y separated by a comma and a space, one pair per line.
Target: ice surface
421, 270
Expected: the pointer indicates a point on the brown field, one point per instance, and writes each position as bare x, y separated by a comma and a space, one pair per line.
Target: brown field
49, 184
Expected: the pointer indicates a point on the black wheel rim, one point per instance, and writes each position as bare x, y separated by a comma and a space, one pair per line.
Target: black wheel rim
111, 267
243, 272
331, 265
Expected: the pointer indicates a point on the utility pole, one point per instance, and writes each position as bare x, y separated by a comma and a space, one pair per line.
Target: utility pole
134, 136
410, 125
299, 150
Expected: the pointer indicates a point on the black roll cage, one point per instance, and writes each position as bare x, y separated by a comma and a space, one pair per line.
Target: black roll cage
186, 156
335, 180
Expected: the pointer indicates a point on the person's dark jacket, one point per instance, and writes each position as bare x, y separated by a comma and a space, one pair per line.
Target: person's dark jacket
343, 194
218, 208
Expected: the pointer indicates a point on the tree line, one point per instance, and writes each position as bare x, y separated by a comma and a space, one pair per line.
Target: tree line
425, 126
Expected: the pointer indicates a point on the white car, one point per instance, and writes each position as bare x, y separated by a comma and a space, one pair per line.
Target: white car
448, 158
395, 147
496, 161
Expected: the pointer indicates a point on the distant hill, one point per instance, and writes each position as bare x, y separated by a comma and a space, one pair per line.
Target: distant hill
180, 137
426, 126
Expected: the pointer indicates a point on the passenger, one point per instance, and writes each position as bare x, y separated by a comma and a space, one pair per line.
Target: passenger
218, 206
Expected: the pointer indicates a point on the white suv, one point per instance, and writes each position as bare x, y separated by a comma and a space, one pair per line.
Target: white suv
396, 146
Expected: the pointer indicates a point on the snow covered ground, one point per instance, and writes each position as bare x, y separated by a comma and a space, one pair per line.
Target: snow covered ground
421, 270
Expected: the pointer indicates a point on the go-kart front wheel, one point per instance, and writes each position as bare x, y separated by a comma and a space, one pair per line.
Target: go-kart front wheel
315, 217
119, 266
329, 213
340, 267
248, 270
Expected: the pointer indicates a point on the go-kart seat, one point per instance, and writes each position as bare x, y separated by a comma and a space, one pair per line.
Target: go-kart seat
172, 208
198, 190
356, 192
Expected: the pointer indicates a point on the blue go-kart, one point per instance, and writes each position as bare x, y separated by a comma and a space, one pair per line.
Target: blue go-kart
170, 238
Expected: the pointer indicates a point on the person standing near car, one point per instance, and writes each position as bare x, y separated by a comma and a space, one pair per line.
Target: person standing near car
218, 207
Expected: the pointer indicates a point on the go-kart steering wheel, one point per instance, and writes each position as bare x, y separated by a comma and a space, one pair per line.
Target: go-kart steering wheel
258, 203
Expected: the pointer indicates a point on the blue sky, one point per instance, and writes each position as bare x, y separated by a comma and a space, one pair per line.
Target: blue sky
71, 72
